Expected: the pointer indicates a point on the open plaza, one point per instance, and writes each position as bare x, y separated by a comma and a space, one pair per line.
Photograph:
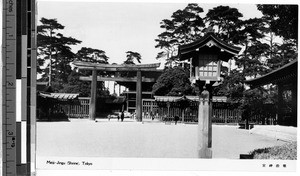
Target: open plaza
148, 139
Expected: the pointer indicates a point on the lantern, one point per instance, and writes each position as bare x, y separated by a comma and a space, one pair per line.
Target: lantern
205, 57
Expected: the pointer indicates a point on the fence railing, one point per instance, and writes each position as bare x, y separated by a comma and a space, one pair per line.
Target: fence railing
226, 116
78, 110
152, 110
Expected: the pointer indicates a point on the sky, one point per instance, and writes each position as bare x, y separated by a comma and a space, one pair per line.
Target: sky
117, 27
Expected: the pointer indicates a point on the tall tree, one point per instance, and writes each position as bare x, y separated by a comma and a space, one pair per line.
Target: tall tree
184, 26
132, 56
225, 20
74, 85
250, 63
282, 54
283, 22
173, 82
54, 51
284, 19
92, 55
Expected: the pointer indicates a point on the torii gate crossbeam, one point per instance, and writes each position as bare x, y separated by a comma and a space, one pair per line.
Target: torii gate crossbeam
115, 68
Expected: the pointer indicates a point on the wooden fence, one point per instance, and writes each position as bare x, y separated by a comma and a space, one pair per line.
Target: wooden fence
79, 109
226, 116
151, 109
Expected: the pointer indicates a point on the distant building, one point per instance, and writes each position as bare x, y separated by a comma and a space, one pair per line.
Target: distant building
286, 78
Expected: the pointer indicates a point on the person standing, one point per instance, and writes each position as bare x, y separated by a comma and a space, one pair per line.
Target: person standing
122, 116
151, 115
176, 118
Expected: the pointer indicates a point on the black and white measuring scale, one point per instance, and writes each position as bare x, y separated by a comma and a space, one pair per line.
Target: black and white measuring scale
18, 87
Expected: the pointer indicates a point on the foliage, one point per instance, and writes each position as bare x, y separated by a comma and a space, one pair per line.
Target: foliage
232, 87
184, 26
261, 54
225, 20
287, 151
54, 51
92, 55
131, 56
249, 63
251, 60
284, 19
173, 82
74, 85
282, 54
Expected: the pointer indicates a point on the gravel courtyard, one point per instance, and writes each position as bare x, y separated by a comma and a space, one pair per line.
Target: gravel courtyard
82, 137
85, 138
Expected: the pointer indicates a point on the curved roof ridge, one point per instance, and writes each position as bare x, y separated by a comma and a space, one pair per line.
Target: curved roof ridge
90, 64
203, 40
271, 76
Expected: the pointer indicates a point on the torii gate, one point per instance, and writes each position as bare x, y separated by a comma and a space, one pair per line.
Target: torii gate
116, 68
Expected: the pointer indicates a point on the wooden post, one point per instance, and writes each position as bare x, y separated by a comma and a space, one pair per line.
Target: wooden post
225, 115
294, 104
69, 109
92, 108
182, 114
204, 126
280, 104
168, 106
139, 96
210, 121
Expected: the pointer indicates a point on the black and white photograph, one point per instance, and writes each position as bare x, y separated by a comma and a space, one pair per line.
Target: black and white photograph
151, 86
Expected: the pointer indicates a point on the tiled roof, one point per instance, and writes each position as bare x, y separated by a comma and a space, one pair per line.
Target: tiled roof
224, 50
282, 74
115, 67
62, 96
190, 98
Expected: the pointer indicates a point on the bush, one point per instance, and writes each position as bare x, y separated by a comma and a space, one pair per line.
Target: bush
284, 152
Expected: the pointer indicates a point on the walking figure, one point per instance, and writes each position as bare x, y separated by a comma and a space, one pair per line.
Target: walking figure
151, 115
176, 118
122, 116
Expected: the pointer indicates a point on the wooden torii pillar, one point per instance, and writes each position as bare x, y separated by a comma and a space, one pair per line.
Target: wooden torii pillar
92, 106
116, 68
139, 104
139, 79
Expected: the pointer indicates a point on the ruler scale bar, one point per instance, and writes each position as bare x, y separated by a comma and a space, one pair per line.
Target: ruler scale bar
31, 123
9, 84
19, 87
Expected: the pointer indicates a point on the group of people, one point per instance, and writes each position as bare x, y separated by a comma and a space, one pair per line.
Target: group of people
122, 116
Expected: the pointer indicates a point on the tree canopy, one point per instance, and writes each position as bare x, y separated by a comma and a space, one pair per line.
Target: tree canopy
259, 37
225, 20
184, 26
284, 19
92, 55
55, 55
132, 56
54, 52
173, 82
